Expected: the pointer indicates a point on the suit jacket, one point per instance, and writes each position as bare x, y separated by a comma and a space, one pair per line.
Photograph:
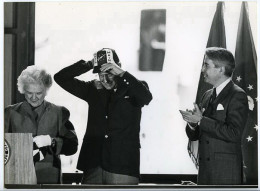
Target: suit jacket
112, 136
219, 134
54, 121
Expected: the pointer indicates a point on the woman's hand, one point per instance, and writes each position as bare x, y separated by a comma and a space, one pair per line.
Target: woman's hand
42, 140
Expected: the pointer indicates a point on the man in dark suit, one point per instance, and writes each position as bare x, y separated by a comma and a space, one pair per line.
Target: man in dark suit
110, 153
218, 122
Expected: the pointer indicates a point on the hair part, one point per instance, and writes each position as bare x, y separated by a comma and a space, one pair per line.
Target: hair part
33, 75
222, 58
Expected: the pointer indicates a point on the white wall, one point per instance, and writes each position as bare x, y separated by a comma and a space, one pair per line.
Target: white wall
69, 31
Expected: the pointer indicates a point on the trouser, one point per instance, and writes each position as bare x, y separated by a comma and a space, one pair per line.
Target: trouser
100, 176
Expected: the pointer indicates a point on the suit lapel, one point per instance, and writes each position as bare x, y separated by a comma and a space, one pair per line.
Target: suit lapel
121, 90
206, 104
26, 110
45, 109
103, 96
119, 93
223, 94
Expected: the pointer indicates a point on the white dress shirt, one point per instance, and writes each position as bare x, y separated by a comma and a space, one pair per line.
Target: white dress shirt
221, 86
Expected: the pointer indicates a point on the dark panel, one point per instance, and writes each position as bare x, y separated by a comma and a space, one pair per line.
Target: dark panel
69, 178
19, 21
9, 18
152, 40
8, 67
25, 40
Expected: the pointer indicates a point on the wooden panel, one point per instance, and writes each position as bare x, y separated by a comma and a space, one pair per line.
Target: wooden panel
19, 167
19, 18
8, 14
8, 60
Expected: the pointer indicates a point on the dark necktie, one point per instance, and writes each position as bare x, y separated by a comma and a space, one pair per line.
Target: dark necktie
214, 95
211, 100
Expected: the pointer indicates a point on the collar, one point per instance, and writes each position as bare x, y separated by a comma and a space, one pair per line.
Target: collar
40, 108
221, 86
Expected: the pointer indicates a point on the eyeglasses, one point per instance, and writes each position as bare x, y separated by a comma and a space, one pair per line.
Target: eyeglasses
207, 66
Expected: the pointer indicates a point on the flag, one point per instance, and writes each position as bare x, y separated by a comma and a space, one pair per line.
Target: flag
217, 38
246, 77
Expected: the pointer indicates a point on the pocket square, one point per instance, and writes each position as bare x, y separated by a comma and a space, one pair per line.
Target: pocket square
220, 107
126, 97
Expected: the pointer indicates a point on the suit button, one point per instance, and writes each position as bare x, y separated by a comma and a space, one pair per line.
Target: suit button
127, 83
208, 159
124, 80
200, 158
106, 136
106, 116
207, 142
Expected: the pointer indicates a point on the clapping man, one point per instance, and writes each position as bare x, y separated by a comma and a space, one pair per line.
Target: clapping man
218, 122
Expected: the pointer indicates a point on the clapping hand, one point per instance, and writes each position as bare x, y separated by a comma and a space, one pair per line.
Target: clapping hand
192, 116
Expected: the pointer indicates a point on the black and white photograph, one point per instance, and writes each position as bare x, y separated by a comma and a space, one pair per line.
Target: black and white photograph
129, 95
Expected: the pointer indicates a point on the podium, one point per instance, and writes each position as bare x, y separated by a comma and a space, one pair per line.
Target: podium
18, 159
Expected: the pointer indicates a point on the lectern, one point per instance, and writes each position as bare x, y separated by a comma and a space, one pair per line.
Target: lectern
19, 167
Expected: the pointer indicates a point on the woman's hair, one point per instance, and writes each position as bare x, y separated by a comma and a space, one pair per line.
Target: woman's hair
33, 75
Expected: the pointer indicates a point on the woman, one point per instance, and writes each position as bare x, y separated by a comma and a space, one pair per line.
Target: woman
53, 133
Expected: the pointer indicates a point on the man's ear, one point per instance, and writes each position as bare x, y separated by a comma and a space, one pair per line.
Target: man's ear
222, 70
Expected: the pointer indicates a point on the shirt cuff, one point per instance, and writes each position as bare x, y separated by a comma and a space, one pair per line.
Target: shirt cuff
192, 127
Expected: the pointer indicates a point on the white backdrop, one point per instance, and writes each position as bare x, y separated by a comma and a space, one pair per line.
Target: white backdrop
69, 31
